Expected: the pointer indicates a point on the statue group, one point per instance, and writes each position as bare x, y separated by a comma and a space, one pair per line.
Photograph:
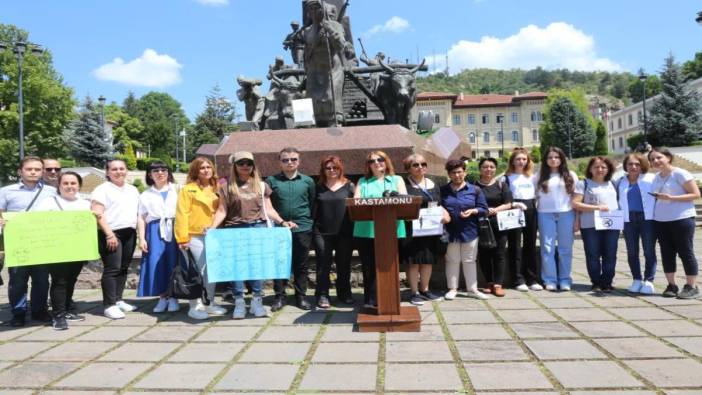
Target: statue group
325, 69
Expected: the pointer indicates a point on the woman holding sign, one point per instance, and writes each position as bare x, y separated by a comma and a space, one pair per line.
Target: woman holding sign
419, 251
64, 275
594, 195
499, 198
157, 208
115, 203
674, 214
245, 203
379, 181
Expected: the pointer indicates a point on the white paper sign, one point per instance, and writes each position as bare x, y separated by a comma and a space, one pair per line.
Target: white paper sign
428, 223
303, 112
510, 219
609, 220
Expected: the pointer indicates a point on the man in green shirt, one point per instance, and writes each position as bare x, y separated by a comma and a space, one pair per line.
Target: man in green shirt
293, 197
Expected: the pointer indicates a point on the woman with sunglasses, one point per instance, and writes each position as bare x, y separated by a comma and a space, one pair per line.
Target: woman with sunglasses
245, 203
64, 275
333, 231
420, 252
157, 209
379, 180
116, 203
675, 190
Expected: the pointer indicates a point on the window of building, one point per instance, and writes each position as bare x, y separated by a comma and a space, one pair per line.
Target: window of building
612, 143
487, 154
621, 142
471, 119
500, 154
515, 117
486, 137
534, 135
515, 136
456, 119
639, 118
499, 118
539, 116
485, 119
619, 123
471, 138
631, 119
533, 116
499, 137
473, 154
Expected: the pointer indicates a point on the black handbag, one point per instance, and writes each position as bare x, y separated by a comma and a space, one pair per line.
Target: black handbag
186, 281
486, 237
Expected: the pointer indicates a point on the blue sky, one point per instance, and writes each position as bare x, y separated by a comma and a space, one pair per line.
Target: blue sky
185, 47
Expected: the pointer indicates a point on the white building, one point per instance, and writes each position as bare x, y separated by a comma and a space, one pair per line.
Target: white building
628, 121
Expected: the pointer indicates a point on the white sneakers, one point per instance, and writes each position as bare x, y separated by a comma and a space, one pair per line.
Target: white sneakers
239, 309
170, 304
551, 287
522, 288
647, 288
197, 310
257, 308
635, 287
477, 294
126, 307
451, 294
114, 313
536, 287
215, 309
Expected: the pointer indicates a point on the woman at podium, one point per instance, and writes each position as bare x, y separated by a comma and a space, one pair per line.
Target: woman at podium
379, 181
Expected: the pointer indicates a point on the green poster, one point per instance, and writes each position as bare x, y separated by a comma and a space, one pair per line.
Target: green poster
40, 237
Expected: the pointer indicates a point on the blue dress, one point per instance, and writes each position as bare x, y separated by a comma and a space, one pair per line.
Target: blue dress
157, 264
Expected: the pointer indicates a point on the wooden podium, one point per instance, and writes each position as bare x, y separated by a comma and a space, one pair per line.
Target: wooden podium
385, 211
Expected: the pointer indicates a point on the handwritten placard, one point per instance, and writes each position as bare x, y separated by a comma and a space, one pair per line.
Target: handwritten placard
248, 254
510, 219
43, 237
609, 220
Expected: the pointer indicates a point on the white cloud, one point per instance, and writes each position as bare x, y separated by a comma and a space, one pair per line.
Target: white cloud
214, 3
150, 70
392, 25
558, 45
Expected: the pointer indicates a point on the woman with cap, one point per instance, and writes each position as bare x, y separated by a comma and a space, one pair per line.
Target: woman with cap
157, 209
245, 203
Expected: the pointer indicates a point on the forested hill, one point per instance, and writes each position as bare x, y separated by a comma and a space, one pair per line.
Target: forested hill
616, 85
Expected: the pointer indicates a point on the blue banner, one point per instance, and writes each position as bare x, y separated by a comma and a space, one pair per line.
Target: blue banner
248, 254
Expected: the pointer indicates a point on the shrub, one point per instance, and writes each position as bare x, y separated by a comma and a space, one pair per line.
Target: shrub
67, 163
139, 184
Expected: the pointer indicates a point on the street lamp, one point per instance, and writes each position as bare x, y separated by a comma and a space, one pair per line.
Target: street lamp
175, 131
501, 120
643, 78
20, 49
108, 138
183, 135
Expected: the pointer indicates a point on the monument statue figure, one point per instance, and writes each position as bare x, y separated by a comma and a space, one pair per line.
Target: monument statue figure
296, 44
250, 93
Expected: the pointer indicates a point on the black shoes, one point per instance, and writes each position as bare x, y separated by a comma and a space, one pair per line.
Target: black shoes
278, 303
688, 292
60, 323
43, 316
671, 291
323, 302
595, 288
73, 317
302, 303
17, 321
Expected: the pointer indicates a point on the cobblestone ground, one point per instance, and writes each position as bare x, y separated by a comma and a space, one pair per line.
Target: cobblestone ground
538, 342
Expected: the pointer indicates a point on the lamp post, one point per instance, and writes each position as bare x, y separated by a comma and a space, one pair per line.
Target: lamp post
501, 120
643, 78
108, 137
570, 144
20, 50
183, 134
175, 131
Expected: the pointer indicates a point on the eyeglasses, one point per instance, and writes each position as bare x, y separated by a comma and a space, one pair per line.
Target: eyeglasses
376, 160
634, 164
331, 168
244, 163
288, 160
53, 169
159, 170
417, 165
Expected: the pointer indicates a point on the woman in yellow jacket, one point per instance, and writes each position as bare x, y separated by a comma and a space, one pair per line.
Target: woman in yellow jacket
197, 204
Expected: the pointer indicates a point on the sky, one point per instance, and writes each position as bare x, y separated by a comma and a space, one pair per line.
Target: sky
186, 47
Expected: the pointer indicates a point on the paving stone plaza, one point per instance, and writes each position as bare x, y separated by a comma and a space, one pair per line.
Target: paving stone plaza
537, 343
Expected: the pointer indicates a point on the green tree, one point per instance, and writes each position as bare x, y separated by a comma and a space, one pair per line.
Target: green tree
130, 104
601, 139
567, 125
48, 104
126, 130
215, 121
653, 87
535, 154
86, 138
675, 118
130, 157
692, 69
162, 117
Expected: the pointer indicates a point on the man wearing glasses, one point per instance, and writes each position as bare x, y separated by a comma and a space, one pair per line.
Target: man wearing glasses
293, 197
52, 171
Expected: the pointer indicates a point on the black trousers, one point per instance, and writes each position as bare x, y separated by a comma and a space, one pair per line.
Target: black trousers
492, 260
335, 248
522, 248
63, 282
677, 237
366, 251
116, 264
18, 285
301, 243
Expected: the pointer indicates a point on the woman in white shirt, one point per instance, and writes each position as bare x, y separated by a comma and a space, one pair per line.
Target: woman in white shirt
674, 215
157, 208
636, 203
555, 185
597, 193
522, 241
115, 203
64, 275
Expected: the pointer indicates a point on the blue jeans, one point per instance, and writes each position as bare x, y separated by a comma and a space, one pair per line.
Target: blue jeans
556, 231
256, 285
18, 284
600, 254
640, 228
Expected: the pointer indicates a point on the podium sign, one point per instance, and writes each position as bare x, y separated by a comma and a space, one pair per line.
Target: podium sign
384, 212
